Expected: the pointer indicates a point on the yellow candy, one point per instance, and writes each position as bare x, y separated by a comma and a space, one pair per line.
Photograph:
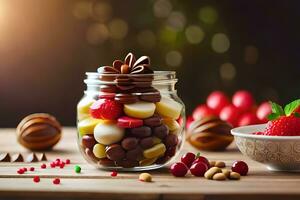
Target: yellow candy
87, 125
148, 161
155, 151
82, 116
99, 151
140, 109
156, 140
146, 177
169, 108
172, 124
84, 105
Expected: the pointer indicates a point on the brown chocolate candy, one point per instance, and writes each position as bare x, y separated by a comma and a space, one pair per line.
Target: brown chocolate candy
17, 158
127, 163
32, 158
147, 142
5, 157
129, 143
152, 97
126, 98
153, 121
171, 151
163, 159
88, 141
171, 140
90, 154
115, 152
106, 162
43, 157
39, 131
141, 132
161, 131
135, 154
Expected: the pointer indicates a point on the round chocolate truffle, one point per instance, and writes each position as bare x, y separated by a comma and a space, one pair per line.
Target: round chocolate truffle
39, 131
210, 133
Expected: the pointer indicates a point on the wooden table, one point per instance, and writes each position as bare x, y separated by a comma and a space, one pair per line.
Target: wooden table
92, 183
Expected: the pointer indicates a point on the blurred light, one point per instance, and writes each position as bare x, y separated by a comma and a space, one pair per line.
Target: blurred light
227, 71
146, 38
220, 43
194, 34
173, 58
251, 55
102, 11
82, 9
168, 35
118, 29
162, 8
177, 20
97, 34
208, 15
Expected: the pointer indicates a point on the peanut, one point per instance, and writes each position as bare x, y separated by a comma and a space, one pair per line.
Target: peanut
226, 172
234, 176
146, 177
220, 164
219, 177
211, 172
212, 163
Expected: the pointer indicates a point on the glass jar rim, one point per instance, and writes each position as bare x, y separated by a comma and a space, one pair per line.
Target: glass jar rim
155, 73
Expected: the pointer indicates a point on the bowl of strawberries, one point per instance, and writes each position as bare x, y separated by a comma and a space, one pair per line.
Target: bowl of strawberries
275, 144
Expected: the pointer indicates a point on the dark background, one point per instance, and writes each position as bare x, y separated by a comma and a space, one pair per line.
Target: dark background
47, 46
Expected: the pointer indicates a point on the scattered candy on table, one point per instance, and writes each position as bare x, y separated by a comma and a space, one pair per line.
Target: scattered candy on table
114, 173
36, 179
56, 181
77, 168
145, 177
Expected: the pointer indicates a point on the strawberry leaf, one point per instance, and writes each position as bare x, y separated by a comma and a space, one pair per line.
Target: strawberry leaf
291, 107
277, 109
273, 116
296, 114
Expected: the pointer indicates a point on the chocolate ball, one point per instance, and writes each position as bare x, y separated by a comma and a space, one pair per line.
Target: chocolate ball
39, 131
210, 133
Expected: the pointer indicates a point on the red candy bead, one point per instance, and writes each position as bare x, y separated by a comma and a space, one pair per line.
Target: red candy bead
240, 167
202, 111
36, 179
230, 114
20, 171
52, 165
56, 181
188, 159
129, 122
198, 169
57, 163
31, 169
243, 100
217, 100
62, 165
68, 161
113, 173
24, 169
43, 166
178, 169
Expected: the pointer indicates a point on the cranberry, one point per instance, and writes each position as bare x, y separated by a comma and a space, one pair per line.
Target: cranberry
263, 111
188, 159
202, 111
178, 169
202, 159
43, 166
230, 114
240, 167
24, 169
36, 179
56, 181
20, 171
198, 169
52, 165
248, 119
216, 101
68, 161
243, 100
31, 169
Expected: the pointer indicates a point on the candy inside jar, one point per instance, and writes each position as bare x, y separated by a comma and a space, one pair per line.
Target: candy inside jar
130, 117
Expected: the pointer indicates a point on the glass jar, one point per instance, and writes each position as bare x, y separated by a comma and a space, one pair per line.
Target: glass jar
130, 122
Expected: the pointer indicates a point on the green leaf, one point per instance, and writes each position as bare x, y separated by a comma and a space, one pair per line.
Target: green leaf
296, 114
291, 107
277, 109
198, 155
273, 116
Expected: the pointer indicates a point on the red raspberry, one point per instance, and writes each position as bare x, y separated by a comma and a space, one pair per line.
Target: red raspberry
106, 109
284, 126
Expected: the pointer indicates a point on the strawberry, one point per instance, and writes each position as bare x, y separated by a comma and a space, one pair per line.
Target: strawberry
106, 109
284, 122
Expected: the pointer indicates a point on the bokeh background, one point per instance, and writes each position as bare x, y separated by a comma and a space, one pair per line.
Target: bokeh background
46, 46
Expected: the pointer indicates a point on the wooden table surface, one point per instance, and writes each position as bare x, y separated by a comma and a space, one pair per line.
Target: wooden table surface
93, 183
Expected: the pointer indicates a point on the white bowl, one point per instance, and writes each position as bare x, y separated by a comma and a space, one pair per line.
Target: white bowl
278, 153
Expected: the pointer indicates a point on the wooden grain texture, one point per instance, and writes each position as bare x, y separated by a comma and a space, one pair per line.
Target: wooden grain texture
94, 183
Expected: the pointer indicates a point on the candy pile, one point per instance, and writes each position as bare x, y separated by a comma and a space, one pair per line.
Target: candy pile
283, 121
129, 123
57, 163
240, 111
199, 166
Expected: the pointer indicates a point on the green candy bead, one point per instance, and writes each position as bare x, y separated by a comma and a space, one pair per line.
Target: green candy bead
77, 169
